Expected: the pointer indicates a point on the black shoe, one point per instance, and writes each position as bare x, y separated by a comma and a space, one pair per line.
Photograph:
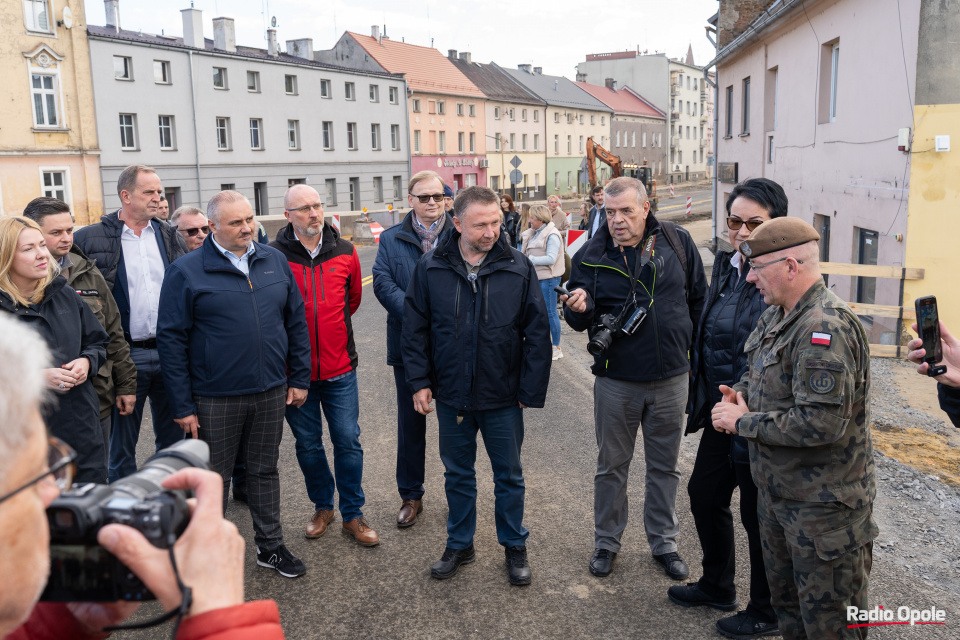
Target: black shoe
450, 562
691, 595
674, 566
285, 563
601, 562
746, 625
516, 559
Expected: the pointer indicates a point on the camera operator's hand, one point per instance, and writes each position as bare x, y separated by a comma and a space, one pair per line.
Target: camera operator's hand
190, 425
951, 356
209, 553
577, 300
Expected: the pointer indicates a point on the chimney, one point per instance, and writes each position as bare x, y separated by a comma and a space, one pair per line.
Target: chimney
272, 42
112, 8
610, 83
375, 32
526, 68
452, 54
465, 56
538, 71
581, 77
193, 28
224, 35
302, 48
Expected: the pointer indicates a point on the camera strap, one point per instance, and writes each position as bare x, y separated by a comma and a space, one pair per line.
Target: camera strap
645, 255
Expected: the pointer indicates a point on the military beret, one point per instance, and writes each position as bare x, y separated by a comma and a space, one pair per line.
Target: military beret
776, 235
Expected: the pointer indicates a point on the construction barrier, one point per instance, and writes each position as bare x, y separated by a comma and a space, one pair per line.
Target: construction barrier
376, 230
575, 239
689, 204
672, 192
335, 221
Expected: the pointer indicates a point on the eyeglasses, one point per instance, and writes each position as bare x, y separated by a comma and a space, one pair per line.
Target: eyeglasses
60, 458
195, 230
757, 267
437, 197
305, 209
734, 224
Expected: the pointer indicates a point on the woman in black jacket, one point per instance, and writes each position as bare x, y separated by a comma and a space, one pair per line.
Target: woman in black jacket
511, 220
730, 313
32, 291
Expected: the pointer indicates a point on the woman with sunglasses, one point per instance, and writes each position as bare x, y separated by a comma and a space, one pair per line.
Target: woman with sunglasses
32, 290
730, 313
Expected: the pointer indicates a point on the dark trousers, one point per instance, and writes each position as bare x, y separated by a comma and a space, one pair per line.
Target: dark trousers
502, 431
711, 486
251, 423
411, 441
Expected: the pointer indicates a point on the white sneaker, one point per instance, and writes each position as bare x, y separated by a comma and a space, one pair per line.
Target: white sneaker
557, 354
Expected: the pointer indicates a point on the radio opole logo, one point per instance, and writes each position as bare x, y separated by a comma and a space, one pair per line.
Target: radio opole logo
878, 616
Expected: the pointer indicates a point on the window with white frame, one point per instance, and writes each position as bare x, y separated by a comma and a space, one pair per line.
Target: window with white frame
223, 134
37, 15
395, 137
473, 143
523, 142
569, 179
122, 68
536, 141
581, 144
511, 114
593, 119
834, 68
556, 144
556, 116
618, 138
397, 187
603, 120
496, 141
441, 107
293, 134
44, 89
415, 105
55, 184
377, 189
327, 135
330, 186
461, 142
569, 145
745, 116
556, 180
352, 136
219, 78
128, 131
253, 81
394, 95
513, 141
536, 115
416, 141
523, 115
460, 109
375, 137
472, 110
290, 84
349, 91
374, 93
256, 133
168, 138
161, 71
643, 140
633, 139
442, 142
496, 113
325, 90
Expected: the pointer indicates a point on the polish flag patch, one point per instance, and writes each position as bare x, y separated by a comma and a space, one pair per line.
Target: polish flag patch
822, 339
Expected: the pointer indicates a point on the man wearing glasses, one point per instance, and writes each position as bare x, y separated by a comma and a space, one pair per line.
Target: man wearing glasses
401, 247
192, 225
327, 272
803, 406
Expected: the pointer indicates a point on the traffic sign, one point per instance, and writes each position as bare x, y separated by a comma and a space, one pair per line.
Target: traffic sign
516, 162
516, 176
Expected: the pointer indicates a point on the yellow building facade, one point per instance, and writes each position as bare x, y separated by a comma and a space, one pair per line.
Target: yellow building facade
48, 137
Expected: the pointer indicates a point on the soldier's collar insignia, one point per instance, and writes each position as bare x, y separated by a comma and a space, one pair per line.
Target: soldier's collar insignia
822, 339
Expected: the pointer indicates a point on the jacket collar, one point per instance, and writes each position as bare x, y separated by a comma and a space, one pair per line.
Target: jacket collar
812, 294
596, 249
448, 250
213, 260
290, 244
408, 234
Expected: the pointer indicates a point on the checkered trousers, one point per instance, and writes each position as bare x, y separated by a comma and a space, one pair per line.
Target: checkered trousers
249, 425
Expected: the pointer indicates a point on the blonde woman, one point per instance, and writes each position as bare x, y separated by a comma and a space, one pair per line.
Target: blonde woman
542, 243
32, 291
522, 225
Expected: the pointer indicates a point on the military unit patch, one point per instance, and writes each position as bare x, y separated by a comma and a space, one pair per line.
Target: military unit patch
822, 382
822, 339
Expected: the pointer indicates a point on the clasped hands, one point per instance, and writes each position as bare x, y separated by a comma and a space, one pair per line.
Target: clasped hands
725, 413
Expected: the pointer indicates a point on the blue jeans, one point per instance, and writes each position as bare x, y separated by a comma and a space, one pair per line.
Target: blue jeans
502, 431
340, 402
550, 297
126, 429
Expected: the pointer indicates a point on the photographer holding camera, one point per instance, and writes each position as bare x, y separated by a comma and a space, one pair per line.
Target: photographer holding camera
638, 286
33, 471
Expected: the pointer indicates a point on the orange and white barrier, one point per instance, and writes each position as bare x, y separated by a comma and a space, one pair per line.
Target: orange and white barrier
335, 221
689, 204
575, 239
376, 230
672, 192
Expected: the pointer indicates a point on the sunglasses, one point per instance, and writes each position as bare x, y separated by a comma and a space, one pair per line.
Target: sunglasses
734, 224
195, 230
60, 458
437, 197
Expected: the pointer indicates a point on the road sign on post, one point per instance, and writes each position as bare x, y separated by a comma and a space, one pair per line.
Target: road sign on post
516, 176
516, 162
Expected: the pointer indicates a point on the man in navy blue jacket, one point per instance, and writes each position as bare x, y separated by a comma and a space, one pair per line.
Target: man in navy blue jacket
234, 351
475, 334
401, 247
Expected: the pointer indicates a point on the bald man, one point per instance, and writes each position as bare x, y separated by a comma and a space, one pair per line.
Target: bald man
327, 270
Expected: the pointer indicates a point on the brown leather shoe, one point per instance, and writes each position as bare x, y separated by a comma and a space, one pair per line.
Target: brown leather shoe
318, 523
361, 532
408, 513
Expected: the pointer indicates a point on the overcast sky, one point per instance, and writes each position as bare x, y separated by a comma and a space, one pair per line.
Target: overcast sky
553, 34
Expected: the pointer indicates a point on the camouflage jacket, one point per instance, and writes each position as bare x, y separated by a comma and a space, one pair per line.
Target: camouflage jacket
808, 391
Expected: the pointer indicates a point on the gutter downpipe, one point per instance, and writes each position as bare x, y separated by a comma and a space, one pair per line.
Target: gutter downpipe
408, 95
196, 136
716, 132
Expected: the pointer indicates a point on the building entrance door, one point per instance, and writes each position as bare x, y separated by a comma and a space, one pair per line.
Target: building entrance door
867, 254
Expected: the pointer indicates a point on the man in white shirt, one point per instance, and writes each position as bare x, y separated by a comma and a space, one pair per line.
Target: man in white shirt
132, 249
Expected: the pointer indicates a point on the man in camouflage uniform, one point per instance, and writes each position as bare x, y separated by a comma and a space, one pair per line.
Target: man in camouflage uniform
803, 408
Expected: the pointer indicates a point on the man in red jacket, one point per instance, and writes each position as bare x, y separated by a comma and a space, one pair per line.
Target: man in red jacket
327, 270
209, 553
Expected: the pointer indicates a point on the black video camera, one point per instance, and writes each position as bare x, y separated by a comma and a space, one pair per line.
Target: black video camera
83, 571
611, 327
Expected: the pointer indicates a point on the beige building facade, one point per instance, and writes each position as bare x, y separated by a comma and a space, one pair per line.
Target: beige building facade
48, 141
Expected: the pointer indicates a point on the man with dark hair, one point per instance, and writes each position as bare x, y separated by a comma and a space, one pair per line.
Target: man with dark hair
475, 332
401, 247
116, 381
641, 373
235, 352
598, 214
163, 209
132, 249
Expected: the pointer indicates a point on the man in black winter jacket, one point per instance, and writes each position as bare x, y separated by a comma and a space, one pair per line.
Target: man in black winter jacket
629, 268
475, 335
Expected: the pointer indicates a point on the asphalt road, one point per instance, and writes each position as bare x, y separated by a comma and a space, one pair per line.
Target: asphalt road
386, 592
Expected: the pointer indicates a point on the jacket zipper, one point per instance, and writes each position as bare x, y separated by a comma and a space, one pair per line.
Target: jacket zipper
316, 333
256, 314
456, 313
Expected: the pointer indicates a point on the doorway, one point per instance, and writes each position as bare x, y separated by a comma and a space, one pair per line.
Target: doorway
868, 243
260, 203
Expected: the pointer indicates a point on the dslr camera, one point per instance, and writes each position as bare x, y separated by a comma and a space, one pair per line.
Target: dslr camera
83, 571
611, 327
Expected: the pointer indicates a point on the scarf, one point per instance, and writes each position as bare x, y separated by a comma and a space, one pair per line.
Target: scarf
428, 237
